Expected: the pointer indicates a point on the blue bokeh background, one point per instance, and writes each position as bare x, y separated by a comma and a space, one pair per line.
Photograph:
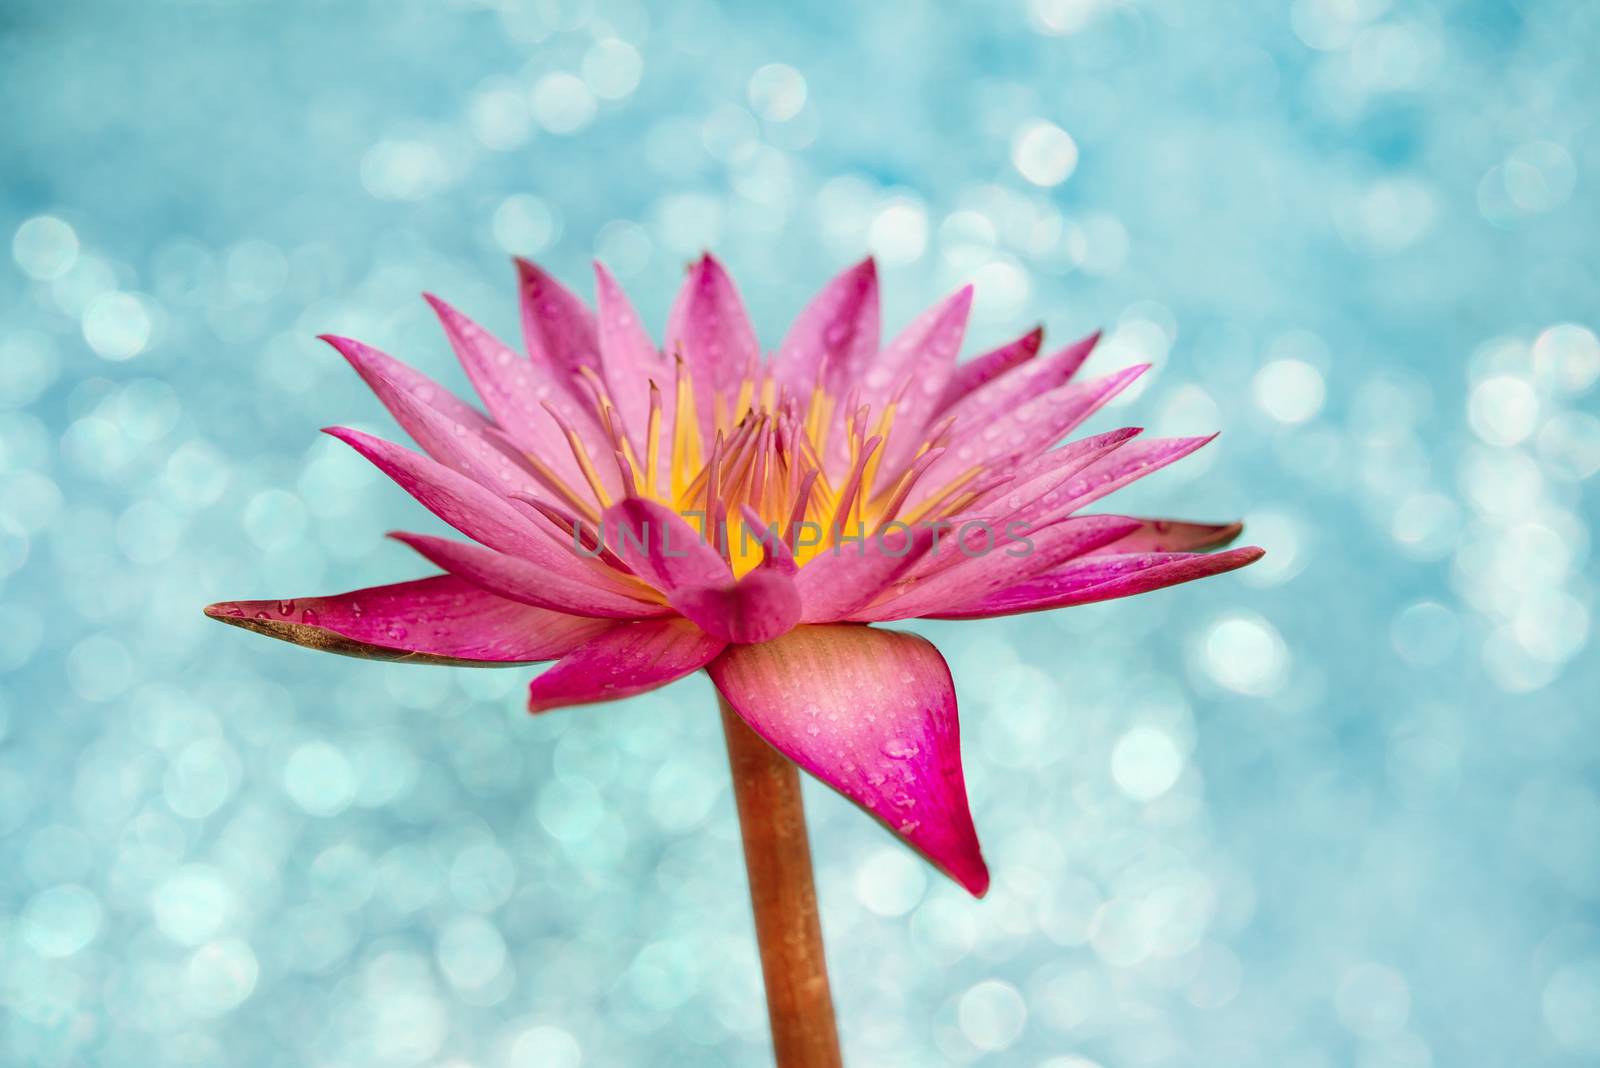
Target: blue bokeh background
1338, 809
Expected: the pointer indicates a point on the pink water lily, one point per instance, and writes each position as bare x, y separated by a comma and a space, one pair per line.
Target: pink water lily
637, 513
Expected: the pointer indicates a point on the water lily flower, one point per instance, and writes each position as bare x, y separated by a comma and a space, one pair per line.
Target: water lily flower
637, 513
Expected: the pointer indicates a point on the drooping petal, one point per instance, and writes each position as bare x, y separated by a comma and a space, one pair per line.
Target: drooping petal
438, 620
519, 580
990, 565
557, 326
986, 368
1102, 578
835, 337
383, 372
467, 505
872, 713
709, 325
1172, 536
628, 659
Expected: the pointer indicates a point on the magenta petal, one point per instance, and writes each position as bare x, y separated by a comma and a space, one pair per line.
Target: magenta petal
468, 506
630, 362
757, 608
1103, 578
660, 547
986, 368
470, 451
1035, 378
1031, 427
872, 713
970, 577
520, 580
516, 390
384, 374
556, 324
834, 338
1172, 536
438, 620
1029, 481
836, 582
628, 659
1129, 463
925, 354
709, 326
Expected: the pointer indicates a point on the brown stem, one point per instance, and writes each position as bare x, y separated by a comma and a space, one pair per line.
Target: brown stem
777, 856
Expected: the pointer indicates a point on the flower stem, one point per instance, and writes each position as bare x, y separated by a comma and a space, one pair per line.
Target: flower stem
777, 856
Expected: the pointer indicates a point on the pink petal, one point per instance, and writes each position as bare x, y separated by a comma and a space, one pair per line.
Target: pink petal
970, 577
468, 506
628, 659
1102, 578
757, 608
516, 390
1029, 428
925, 354
1172, 536
709, 325
519, 580
1127, 464
382, 372
660, 547
438, 620
630, 362
835, 337
1031, 479
986, 368
872, 713
556, 325
457, 445
836, 582
1032, 379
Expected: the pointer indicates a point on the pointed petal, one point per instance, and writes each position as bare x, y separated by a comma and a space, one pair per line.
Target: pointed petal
468, 506
993, 566
1031, 479
516, 390
1102, 578
1128, 463
872, 713
986, 368
519, 580
1030, 428
1032, 379
384, 373
438, 620
628, 659
925, 353
709, 325
455, 444
557, 326
835, 337
1172, 536
630, 361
